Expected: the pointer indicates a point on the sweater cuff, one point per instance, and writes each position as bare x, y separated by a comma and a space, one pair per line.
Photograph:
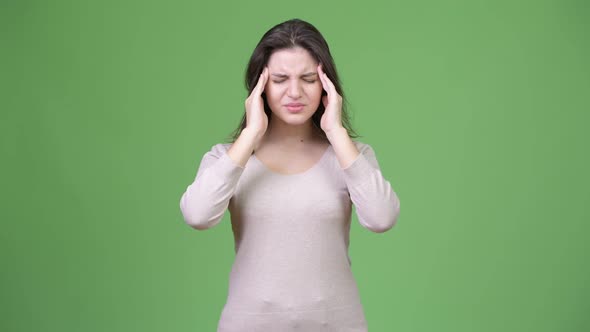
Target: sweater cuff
358, 171
228, 168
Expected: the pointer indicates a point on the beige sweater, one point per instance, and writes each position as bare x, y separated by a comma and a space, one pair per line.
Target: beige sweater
292, 270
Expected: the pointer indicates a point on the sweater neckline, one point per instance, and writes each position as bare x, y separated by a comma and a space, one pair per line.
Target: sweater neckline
309, 170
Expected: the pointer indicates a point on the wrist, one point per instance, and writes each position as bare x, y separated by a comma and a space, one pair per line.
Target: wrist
336, 132
253, 137
252, 134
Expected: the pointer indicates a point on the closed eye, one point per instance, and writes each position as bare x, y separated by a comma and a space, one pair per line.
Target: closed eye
312, 81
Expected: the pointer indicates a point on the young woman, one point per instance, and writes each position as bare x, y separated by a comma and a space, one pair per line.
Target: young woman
289, 179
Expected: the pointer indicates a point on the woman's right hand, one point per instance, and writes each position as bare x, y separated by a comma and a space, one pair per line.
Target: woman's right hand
256, 119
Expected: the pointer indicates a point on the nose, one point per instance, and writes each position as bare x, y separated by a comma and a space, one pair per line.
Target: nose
294, 90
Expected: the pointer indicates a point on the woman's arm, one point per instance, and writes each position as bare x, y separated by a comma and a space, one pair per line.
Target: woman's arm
205, 200
377, 205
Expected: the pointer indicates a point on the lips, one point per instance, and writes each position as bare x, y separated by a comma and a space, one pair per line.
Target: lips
294, 107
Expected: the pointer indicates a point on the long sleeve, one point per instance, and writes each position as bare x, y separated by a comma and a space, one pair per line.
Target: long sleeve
377, 205
205, 200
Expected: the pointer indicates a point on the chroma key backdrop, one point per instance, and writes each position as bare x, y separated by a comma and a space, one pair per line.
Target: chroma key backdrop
478, 112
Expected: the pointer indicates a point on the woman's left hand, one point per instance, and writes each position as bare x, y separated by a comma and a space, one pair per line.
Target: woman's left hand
331, 119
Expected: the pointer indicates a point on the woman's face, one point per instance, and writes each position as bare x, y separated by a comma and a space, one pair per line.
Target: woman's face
293, 80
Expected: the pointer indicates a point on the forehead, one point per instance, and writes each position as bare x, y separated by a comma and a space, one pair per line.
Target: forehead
291, 60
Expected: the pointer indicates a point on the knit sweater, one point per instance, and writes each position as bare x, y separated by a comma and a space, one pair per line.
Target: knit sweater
292, 270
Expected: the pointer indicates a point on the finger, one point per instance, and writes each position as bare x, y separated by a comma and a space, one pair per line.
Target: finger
322, 78
266, 75
326, 85
261, 82
331, 88
259, 88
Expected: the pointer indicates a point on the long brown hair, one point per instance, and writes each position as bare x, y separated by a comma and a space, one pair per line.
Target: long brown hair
290, 34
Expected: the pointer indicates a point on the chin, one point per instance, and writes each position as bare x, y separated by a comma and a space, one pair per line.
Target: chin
293, 119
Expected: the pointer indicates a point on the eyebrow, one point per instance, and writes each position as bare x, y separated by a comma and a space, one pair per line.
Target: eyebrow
304, 75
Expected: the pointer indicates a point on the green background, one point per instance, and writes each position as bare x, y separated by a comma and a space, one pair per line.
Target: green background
477, 110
